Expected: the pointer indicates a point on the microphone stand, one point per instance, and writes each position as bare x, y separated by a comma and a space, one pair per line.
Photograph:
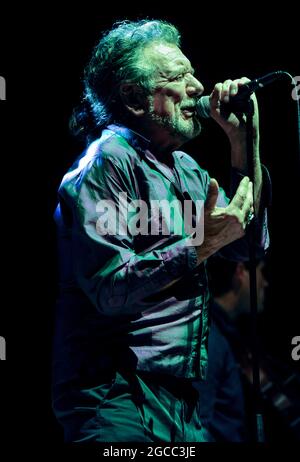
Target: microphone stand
245, 105
240, 105
259, 424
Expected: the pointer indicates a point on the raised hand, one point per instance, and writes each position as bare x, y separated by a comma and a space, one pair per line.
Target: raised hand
223, 225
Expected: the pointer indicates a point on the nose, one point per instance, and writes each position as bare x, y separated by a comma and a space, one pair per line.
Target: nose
194, 87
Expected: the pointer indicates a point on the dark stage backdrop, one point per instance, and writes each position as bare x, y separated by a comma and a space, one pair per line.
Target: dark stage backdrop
46, 49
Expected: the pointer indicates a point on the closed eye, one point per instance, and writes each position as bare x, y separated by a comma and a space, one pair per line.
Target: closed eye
182, 75
178, 77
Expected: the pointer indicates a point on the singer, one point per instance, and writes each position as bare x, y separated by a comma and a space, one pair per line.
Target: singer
132, 312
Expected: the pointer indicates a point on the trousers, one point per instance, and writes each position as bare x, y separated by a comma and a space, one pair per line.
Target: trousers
132, 407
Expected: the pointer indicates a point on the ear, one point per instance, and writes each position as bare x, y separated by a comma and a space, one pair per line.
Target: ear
133, 98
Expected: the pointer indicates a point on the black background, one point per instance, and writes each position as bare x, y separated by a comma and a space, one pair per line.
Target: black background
43, 51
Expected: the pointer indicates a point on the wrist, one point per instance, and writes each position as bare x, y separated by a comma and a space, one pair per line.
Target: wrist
239, 153
203, 253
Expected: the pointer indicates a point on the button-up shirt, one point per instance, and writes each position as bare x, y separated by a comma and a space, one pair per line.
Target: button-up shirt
113, 305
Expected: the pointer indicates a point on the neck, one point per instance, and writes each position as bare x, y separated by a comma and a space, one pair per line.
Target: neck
162, 142
162, 146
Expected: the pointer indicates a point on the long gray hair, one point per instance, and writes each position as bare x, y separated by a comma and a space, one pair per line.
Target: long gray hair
118, 57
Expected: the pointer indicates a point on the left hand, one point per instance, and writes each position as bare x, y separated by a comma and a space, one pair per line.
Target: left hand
233, 126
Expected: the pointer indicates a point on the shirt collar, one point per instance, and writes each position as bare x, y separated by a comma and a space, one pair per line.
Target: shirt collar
137, 141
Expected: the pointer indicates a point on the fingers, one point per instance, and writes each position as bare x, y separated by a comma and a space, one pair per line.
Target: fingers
216, 96
225, 225
223, 91
212, 195
242, 203
229, 88
248, 203
243, 80
241, 193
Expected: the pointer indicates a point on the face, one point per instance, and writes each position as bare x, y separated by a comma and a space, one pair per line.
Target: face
171, 113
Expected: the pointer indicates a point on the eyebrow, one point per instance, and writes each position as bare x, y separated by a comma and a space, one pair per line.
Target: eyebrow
182, 67
187, 67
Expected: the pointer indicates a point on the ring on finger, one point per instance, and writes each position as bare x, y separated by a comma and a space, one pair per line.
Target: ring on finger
249, 218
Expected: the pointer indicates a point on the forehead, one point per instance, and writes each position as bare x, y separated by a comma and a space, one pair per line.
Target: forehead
166, 57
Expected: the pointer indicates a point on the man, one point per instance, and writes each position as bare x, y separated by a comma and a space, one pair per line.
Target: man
222, 400
226, 397
132, 325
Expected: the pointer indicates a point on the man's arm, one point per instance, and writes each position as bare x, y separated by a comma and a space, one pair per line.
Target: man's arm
224, 225
235, 129
116, 278
218, 235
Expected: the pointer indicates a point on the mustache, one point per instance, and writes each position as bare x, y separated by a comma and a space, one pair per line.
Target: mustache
191, 104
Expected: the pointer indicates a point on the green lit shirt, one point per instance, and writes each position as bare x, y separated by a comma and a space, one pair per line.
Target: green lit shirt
111, 306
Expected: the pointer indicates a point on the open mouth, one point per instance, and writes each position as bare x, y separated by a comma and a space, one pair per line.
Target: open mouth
188, 111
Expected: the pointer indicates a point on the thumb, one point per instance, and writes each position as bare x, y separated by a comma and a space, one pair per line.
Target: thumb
212, 195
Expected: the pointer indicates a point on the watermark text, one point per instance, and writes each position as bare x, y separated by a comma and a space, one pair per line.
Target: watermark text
296, 349
2, 348
296, 89
154, 218
2, 88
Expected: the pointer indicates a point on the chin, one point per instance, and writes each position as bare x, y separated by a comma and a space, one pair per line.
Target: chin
191, 130
191, 134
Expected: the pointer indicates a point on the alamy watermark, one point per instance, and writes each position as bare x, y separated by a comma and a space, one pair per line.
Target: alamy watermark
296, 350
2, 88
2, 98
154, 218
2, 348
296, 89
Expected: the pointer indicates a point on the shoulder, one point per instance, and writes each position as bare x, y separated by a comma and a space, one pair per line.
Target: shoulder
111, 149
108, 157
115, 148
189, 164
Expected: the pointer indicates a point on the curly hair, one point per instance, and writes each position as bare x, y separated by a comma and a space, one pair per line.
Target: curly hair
118, 58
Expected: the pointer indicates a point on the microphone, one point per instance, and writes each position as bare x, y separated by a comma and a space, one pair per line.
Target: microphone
203, 103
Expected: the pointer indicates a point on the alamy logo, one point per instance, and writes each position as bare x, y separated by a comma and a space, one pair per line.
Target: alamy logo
296, 90
156, 218
296, 349
2, 89
2, 348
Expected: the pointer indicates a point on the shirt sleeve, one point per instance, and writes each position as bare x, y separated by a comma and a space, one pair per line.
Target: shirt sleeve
239, 249
107, 267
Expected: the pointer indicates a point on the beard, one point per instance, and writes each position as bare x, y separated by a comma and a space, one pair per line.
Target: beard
184, 129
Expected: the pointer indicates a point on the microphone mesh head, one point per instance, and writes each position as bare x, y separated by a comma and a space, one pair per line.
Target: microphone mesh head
203, 107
